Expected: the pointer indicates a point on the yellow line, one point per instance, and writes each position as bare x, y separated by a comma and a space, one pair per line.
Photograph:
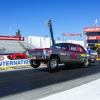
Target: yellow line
97, 59
13, 67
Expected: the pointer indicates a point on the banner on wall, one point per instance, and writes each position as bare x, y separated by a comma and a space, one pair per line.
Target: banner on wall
93, 37
12, 38
8, 63
3, 57
67, 34
92, 29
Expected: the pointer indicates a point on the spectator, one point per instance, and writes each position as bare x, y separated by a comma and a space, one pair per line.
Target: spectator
89, 50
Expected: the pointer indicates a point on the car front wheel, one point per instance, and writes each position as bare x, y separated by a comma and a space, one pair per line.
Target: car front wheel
52, 64
86, 63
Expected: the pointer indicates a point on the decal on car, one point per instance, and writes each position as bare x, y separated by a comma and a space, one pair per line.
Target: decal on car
49, 51
83, 55
61, 53
73, 56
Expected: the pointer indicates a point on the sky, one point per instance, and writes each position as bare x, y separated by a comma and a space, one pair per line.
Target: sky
29, 16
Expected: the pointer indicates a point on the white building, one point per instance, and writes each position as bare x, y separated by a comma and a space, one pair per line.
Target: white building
45, 42
39, 42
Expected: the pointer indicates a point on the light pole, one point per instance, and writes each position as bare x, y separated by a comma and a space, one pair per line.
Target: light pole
49, 23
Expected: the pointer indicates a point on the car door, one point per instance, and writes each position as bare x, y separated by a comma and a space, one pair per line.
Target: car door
73, 53
81, 53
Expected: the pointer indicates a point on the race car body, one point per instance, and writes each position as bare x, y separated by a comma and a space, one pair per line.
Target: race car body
67, 53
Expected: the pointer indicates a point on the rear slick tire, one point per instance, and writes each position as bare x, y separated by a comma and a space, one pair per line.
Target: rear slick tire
34, 64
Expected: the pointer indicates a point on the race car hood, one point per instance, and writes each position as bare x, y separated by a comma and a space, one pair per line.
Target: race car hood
39, 49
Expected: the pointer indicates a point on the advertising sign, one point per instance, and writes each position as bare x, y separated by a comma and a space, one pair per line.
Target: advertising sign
93, 29
1, 58
12, 38
93, 37
14, 62
66, 34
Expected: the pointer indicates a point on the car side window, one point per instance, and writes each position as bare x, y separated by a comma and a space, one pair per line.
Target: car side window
73, 47
59, 46
80, 49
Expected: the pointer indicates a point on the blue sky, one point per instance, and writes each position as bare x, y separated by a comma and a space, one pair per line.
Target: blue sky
68, 16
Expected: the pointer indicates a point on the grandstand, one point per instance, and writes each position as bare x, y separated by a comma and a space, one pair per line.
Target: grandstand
9, 47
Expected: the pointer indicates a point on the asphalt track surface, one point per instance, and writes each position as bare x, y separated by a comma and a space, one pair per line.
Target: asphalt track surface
33, 84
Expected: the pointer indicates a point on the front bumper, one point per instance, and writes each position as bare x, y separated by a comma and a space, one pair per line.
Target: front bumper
40, 58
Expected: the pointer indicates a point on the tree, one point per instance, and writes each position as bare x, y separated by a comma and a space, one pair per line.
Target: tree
18, 33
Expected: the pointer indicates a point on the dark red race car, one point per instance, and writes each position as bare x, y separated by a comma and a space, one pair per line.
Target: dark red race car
17, 56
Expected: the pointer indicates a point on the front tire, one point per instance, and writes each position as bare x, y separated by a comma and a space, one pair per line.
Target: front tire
34, 64
52, 64
86, 63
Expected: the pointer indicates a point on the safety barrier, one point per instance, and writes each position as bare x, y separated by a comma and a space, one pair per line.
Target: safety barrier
6, 64
14, 64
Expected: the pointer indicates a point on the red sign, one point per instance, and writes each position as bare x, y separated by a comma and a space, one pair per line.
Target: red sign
66, 34
93, 37
93, 29
12, 38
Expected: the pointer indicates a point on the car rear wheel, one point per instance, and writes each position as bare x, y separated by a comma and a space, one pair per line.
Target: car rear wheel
52, 64
86, 63
34, 64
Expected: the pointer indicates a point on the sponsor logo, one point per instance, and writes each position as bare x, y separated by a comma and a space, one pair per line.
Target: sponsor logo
1, 58
97, 29
11, 38
93, 37
83, 55
61, 53
73, 56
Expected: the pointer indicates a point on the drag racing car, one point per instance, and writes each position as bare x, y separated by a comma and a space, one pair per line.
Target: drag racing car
67, 53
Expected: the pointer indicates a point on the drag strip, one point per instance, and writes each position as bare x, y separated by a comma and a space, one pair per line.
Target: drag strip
37, 83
